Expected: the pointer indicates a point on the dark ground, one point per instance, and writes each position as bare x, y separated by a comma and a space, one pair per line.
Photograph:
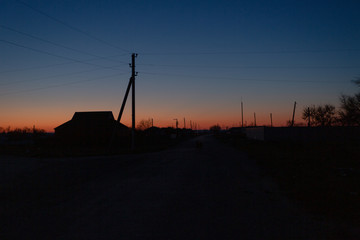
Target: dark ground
213, 192
322, 177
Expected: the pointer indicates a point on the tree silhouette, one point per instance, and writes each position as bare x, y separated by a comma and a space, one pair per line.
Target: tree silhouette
309, 115
350, 108
325, 115
320, 116
144, 124
216, 128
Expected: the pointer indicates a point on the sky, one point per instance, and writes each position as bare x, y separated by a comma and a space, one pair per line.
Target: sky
196, 59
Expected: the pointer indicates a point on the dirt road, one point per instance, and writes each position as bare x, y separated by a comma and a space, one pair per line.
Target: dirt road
215, 192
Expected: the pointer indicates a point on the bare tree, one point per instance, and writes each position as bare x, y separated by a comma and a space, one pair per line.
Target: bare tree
144, 124
309, 115
323, 115
350, 108
215, 128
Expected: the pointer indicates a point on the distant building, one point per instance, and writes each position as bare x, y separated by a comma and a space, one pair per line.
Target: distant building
304, 134
96, 128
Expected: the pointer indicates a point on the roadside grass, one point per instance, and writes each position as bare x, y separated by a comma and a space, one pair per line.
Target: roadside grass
324, 178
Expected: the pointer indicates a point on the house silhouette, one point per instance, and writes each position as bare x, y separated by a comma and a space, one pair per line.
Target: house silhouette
94, 128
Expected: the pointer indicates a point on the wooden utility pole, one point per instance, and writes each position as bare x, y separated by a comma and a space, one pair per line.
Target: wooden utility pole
176, 122
293, 118
184, 124
271, 120
242, 115
132, 86
255, 119
133, 74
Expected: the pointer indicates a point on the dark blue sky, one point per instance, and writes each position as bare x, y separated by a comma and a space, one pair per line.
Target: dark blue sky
197, 59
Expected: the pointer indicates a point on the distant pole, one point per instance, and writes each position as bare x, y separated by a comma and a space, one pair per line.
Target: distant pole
242, 115
152, 122
190, 125
271, 120
255, 119
309, 117
177, 123
184, 124
133, 74
293, 118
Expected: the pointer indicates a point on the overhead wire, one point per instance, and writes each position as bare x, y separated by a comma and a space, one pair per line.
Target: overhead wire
249, 52
57, 64
49, 77
35, 67
53, 54
71, 26
56, 44
246, 67
60, 85
236, 79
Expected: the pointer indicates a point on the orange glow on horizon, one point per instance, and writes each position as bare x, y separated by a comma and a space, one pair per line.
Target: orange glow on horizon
202, 124
49, 118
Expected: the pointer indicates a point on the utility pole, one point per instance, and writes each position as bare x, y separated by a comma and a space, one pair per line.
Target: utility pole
242, 115
177, 123
133, 74
131, 85
184, 124
293, 118
271, 119
255, 119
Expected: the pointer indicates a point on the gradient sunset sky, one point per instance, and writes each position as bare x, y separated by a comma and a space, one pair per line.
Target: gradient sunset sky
197, 59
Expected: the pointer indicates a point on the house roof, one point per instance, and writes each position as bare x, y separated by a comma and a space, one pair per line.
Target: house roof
92, 118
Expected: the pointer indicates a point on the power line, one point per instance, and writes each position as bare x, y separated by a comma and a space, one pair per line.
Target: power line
237, 79
49, 77
250, 52
36, 67
60, 85
52, 54
56, 44
57, 64
72, 27
248, 67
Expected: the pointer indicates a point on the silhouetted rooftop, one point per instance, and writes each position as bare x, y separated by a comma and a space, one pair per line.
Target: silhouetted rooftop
93, 116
